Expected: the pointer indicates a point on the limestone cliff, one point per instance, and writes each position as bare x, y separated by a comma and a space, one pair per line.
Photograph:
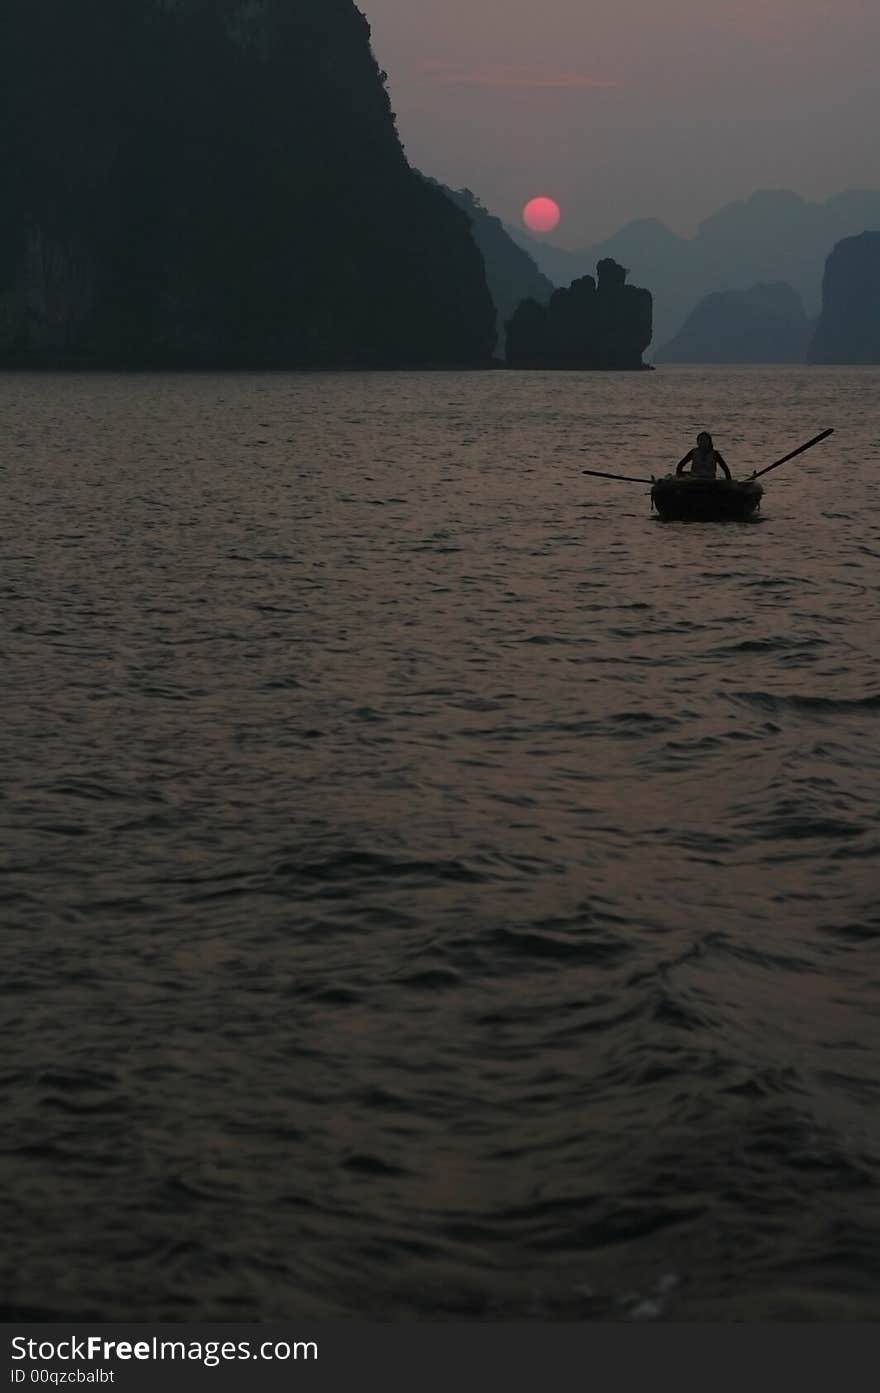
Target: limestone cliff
219, 182
601, 323
849, 326
511, 273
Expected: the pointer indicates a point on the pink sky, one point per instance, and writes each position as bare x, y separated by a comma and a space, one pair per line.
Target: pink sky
634, 108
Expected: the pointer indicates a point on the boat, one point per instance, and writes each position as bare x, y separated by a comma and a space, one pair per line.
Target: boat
682, 498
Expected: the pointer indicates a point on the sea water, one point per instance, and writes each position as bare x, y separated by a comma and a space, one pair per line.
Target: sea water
431, 886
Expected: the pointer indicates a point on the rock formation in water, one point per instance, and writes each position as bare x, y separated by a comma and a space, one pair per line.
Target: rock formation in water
849, 327
510, 271
765, 324
219, 182
604, 324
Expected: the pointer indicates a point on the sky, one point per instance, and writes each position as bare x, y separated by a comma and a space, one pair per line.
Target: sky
623, 109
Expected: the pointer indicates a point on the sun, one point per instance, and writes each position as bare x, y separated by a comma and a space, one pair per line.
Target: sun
541, 214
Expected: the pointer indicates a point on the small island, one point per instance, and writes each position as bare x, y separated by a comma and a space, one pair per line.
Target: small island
594, 324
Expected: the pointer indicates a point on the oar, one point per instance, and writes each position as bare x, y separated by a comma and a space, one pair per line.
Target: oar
625, 478
799, 451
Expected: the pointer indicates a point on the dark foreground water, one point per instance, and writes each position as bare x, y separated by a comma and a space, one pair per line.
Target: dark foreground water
431, 886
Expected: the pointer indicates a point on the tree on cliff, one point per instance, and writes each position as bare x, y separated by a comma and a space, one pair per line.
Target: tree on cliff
511, 273
592, 324
219, 181
849, 327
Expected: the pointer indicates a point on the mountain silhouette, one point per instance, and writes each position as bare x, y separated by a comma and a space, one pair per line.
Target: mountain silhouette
593, 324
849, 327
764, 324
775, 235
219, 183
511, 272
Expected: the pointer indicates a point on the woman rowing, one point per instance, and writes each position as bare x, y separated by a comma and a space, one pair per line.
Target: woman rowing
703, 459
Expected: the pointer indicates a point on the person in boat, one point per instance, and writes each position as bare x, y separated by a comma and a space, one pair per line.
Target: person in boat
703, 459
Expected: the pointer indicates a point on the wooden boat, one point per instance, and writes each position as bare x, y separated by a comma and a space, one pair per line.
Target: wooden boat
682, 498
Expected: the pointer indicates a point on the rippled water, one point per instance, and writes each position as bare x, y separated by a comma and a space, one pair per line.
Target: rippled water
432, 886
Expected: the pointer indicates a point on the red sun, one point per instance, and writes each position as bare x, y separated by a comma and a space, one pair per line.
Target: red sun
541, 215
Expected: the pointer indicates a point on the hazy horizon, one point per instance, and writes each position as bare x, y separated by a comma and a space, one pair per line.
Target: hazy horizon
626, 112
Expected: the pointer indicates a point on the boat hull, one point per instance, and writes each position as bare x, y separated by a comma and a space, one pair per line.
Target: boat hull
680, 498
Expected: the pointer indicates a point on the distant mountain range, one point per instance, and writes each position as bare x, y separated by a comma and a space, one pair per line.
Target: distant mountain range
773, 236
207, 183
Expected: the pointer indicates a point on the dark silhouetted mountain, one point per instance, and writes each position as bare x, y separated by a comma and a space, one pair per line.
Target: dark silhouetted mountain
510, 271
219, 182
849, 326
774, 235
765, 324
589, 325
